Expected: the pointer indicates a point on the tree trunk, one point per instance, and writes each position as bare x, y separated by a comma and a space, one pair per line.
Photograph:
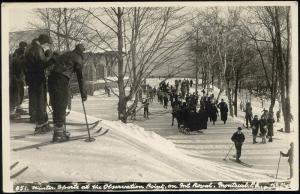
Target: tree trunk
122, 114
236, 95
66, 30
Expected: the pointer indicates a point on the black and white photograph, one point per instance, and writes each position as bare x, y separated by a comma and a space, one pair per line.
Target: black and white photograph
150, 96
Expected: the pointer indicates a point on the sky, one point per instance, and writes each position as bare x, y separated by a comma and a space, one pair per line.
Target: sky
19, 18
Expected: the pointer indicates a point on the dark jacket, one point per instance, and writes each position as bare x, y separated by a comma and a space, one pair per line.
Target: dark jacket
289, 154
255, 126
36, 59
238, 137
68, 63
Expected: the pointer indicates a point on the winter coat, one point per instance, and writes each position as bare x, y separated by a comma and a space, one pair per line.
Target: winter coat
263, 126
255, 126
214, 113
36, 62
68, 63
238, 137
203, 118
224, 110
290, 154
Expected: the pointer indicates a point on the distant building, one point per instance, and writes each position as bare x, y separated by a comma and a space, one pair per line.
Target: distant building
97, 66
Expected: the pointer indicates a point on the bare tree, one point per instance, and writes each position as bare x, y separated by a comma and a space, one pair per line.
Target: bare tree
145, 39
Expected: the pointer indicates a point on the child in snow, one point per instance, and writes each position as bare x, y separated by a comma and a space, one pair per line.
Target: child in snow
290, 154
263, 128
238, 138
255, 127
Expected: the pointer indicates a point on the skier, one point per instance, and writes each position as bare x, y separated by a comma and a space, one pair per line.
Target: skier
248, 115
37, 62
16, 84
224, 110
146, 108
66, 64
270, 121
255, 127
290, 154
238, 138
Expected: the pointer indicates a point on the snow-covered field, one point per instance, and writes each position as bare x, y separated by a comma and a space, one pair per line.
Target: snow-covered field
126, 153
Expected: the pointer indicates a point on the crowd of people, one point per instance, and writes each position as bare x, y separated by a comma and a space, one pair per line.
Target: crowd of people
185, 105
45, 71
262, 127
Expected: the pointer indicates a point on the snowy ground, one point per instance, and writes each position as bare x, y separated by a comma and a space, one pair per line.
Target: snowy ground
146, 150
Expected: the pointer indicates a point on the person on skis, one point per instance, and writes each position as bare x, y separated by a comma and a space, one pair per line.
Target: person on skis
290, 155
58, 83
16, 80
36, 63
238, 138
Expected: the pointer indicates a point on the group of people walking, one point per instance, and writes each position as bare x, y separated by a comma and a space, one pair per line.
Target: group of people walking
262, 127
45, 71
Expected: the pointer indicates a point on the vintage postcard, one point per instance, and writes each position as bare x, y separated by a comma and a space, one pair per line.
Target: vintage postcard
150, 96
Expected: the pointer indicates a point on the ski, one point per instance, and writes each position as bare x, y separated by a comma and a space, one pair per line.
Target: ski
79, 124
241, 163
74, 138
77, 129
19, 172
14, 165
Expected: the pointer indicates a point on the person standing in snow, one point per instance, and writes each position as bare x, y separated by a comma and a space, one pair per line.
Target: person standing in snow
224, 110
290, 155
248, 115
270, 121
58, 83
16, 80
263, 127
278, 116
255, 127
146, 108
214, 113
238, 138
165, 100
36, 63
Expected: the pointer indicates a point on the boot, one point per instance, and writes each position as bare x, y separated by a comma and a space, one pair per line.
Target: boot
42, 129
60, 135
270, 139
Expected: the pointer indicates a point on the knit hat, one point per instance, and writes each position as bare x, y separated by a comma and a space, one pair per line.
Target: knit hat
239, 128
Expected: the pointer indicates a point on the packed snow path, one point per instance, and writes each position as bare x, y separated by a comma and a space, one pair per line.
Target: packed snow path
212, 144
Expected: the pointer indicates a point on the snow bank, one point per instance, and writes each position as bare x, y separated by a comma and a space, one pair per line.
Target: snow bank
126, 153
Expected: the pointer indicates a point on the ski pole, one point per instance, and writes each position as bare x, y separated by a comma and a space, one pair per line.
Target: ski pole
278, 166
90, 139
228, 152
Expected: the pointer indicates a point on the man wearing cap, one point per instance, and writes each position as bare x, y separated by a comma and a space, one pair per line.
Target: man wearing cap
238, 138
36, 63
58, 84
